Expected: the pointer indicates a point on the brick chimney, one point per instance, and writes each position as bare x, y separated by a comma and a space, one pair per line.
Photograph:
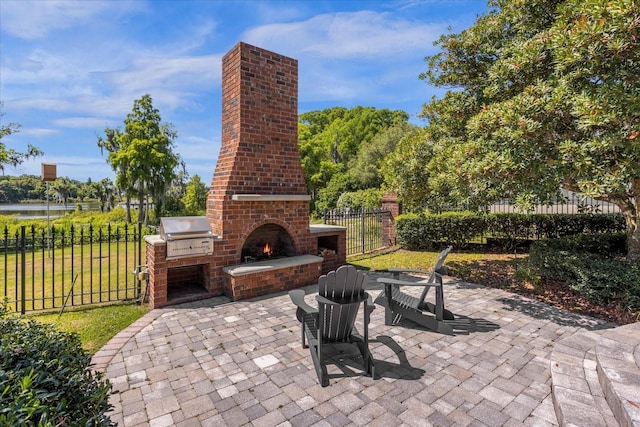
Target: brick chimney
258, 178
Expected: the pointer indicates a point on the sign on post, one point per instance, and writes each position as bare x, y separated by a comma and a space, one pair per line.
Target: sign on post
48, 172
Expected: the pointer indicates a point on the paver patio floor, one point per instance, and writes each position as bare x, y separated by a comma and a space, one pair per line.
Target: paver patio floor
215, 362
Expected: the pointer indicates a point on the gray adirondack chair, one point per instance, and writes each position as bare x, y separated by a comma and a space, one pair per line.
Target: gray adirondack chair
340, 295
399, 304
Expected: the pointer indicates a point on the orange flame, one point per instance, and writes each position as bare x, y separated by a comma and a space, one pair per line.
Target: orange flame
267, 249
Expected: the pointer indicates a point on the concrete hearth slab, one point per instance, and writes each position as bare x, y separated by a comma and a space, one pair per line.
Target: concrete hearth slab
267, 265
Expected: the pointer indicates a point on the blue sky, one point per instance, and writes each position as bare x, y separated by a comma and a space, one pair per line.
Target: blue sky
68, 69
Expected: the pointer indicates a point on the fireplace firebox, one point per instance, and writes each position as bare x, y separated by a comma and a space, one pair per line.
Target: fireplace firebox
268, 241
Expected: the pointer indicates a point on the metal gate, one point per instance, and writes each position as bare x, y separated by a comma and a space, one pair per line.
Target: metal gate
365, 228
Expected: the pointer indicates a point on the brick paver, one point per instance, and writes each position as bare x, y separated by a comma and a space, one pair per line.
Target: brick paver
215, 362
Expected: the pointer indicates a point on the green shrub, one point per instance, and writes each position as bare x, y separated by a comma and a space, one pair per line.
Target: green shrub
559, 225
422, 231
608, 245
506, 230
592, 265
510, 226
45, 378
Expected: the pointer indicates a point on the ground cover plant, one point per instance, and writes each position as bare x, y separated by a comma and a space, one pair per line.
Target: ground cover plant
45, 378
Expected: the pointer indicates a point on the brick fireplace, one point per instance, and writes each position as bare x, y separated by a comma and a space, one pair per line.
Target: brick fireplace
258, 204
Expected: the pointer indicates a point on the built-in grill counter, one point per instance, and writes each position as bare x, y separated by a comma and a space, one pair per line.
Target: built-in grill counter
186, 236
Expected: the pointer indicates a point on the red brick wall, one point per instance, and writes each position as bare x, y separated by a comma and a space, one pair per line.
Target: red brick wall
157, 267
164, 272
278, 280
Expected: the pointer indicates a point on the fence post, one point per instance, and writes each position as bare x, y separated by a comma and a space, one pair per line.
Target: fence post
138, 282
362, 224
23, 267
393, 207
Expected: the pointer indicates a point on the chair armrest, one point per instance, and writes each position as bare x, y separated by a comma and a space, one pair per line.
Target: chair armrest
362, 297
387, 281
408, 270
369, 305
442, 271
297, 297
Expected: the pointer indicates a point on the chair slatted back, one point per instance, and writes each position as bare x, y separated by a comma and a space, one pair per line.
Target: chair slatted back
438, 266
341, 286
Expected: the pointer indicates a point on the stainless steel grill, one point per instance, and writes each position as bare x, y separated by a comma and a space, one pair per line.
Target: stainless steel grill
186, 236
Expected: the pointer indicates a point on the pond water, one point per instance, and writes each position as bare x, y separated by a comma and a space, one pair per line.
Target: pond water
39, 210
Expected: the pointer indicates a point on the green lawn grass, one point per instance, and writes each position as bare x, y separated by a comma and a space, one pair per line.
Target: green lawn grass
418, 260
95, 325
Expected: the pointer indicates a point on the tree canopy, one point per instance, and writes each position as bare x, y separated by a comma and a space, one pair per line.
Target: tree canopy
543, 95
142, 154
341, 149
195, 196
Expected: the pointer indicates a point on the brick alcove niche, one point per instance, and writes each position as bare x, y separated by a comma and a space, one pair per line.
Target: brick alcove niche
257, 186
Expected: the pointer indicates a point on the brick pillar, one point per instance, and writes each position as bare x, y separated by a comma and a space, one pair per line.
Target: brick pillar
157, 268
390, 203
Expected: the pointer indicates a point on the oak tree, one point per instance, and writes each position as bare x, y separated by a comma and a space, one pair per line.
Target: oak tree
543, 95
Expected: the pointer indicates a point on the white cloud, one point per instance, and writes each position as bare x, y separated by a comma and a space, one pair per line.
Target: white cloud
345, 55
32, 20
38, 104
168, 73
172, 82
73, 104
354, 35
89, 63
83, 123
38, 132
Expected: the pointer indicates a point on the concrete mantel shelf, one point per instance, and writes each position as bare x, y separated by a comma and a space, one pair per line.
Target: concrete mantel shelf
325, 228
271, 197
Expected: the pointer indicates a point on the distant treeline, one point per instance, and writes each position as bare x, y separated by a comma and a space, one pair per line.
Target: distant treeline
16, 189
342, 151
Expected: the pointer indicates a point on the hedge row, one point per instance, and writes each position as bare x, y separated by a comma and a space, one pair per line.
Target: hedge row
592, 265
45, 378
461, 228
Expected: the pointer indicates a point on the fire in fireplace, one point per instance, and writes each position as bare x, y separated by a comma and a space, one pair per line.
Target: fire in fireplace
267, 242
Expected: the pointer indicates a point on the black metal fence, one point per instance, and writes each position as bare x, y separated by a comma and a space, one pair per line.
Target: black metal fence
54, 269
568, 203
364, 228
